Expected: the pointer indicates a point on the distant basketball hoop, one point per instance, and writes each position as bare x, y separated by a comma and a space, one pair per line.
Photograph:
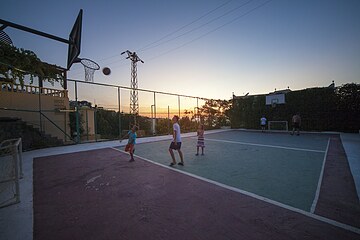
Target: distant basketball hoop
274, 101
90, 67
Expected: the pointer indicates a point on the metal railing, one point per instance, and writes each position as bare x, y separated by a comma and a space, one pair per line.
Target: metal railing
30, 89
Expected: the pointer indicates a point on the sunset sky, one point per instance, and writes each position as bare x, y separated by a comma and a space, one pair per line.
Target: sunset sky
205, 48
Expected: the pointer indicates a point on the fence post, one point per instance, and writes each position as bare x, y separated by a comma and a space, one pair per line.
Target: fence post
119, 108
197, 110
77, 115
87, 125
154, 133
40, 118
179, 104
20, 157
169, 119
95, 123
14, 151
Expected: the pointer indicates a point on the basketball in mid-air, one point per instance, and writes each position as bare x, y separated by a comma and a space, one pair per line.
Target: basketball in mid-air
106, 71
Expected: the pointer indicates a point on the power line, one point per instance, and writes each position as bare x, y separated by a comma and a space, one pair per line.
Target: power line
171, 33
207, 33
203, 35
186, 25
196, 28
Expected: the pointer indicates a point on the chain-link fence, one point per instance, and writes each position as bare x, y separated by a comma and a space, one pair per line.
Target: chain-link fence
104, 113
47, 114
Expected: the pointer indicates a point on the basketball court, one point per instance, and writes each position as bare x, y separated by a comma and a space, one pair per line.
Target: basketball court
248, 185
243, 187
275, 166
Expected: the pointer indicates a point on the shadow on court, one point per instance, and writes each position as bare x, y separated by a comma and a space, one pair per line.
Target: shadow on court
98, 194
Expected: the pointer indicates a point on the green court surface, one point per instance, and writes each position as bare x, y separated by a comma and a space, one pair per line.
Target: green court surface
276, 166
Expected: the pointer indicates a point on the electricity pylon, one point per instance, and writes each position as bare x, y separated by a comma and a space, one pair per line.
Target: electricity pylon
134, 99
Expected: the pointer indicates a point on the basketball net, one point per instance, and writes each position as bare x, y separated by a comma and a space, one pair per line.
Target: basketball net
90, 67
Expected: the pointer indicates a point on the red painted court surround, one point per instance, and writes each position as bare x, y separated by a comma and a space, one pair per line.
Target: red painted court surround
100, 195
338, 198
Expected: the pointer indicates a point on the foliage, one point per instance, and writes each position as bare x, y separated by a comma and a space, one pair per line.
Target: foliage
17, 63
321, 109
212, 114
163, 126
215, 113
107, 123
348, 106
349, 97
72, 124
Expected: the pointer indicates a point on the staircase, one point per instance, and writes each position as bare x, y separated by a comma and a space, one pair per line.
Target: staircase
32, 138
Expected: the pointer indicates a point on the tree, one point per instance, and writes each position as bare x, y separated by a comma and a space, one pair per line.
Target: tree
163, 126
348, 106
215, 113
349, 97
321, 109
72, 124
17, 63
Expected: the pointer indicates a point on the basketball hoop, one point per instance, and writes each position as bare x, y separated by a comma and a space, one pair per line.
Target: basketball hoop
90, 67
5, 38
274, 102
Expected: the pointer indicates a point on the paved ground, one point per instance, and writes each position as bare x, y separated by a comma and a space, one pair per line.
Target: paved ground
106, 197
352, 149
16, 222
338, 199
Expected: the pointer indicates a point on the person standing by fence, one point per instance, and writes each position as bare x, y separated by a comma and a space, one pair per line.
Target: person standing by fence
263, 123
296, 123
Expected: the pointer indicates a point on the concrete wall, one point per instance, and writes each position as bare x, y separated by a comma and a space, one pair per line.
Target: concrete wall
22, 102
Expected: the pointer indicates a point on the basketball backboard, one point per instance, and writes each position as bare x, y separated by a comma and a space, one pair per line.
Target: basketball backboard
275, 99
75, 41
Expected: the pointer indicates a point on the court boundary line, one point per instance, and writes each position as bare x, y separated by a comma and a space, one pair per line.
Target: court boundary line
253, 195
285, 132
264, 145
317, 194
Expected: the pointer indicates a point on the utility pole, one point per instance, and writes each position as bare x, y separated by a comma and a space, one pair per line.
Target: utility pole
134, 99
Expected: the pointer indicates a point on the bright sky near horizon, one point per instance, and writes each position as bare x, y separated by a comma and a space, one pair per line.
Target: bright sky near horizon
205, 48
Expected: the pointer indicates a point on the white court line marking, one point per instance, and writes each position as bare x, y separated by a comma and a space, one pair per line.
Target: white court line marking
317, 194
264, 145
267, 200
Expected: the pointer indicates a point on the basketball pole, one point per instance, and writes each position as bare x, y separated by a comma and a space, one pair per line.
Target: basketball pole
33, 31
77, 115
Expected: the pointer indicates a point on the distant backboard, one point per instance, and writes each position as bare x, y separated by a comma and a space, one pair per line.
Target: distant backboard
275, 99
75, 41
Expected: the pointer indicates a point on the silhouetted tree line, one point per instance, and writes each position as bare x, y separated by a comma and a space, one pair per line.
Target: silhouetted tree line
107, 123
213, 114
321, 109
